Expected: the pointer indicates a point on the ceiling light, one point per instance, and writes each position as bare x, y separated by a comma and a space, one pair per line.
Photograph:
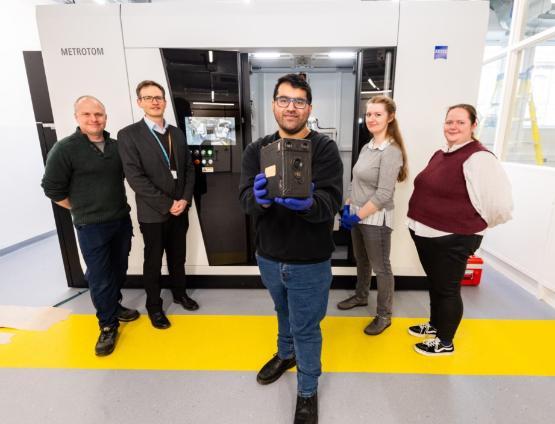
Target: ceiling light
372, 84
210, 56
341, 55
376, 92
214, 104
267, 55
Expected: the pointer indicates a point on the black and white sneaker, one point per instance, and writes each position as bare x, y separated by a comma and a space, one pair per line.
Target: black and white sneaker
422, 330
434, 347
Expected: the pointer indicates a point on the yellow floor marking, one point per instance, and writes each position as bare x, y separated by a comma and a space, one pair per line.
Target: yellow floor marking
244, 343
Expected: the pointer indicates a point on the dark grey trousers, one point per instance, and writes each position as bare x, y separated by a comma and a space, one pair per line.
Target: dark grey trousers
371, 248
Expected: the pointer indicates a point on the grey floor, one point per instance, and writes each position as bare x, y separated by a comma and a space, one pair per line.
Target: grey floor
34, 276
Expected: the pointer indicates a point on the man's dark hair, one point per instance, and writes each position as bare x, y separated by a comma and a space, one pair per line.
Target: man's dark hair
148, 83
296, 81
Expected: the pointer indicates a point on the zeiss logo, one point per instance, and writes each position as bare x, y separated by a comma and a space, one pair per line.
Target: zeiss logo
440, 52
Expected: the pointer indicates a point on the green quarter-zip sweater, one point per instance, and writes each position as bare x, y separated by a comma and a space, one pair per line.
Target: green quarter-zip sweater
91, 179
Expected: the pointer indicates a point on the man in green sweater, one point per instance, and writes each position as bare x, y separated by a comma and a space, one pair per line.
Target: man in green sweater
84, 174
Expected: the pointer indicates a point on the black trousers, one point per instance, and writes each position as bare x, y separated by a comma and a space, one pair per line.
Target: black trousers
444, 261
169, 237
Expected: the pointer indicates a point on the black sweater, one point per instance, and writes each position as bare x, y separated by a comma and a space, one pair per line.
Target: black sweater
296, 237
92, 180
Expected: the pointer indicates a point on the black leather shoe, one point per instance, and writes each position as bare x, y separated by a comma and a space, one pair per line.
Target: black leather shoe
126, 314
159, 320
186, 302
306, 411
106, 342
274, 369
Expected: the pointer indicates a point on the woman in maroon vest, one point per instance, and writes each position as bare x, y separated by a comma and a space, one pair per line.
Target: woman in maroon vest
462, 191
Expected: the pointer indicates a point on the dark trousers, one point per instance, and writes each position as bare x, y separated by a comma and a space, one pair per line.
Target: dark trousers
160, 237
105, 248
444, 261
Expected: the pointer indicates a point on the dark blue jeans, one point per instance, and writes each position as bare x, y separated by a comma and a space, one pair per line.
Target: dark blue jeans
300, 293
105, 248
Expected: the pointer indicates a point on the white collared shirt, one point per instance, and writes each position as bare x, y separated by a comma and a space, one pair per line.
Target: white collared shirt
492, 200
381, 147
155, 127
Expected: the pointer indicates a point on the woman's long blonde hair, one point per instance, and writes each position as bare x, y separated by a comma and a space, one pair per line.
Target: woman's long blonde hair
393, 131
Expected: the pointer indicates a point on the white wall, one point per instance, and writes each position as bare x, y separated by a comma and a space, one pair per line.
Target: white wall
425, 87
525, 246
24, 210
234, 25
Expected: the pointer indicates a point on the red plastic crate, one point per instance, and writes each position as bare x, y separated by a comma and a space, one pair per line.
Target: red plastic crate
473, 273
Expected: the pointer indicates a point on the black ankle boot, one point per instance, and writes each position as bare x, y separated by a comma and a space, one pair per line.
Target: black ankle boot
306, 411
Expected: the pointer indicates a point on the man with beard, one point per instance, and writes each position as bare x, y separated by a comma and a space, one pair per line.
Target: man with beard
294, 243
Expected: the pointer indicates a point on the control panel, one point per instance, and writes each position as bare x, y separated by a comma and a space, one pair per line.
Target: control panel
211, 158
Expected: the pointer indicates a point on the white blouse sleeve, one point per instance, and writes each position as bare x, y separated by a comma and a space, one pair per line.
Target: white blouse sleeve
489, 188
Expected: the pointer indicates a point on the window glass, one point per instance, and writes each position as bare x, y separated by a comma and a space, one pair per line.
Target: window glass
539, 16
491, 82
532, 126
499, 26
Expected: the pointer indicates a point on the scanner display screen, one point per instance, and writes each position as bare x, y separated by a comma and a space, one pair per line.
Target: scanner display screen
212, 131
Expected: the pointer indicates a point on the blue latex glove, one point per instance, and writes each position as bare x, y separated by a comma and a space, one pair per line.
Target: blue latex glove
260, 191
345, 211
294, 204
348, 220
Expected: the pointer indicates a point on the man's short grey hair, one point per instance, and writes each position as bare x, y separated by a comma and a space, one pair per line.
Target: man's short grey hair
88, 97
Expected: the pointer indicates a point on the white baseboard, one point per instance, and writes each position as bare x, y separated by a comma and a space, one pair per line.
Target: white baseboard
25, 243
527, 282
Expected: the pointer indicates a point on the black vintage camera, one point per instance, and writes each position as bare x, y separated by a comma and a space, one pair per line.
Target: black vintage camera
287, 165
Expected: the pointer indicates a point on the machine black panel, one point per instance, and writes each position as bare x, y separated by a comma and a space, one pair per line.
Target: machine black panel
47, 137
205, 89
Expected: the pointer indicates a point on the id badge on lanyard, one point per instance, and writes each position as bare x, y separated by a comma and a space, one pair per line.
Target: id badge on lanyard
166, 156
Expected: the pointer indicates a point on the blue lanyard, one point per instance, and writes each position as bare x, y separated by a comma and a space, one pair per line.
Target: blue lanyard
161, 146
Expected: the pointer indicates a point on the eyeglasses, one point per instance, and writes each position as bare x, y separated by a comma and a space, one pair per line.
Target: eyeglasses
150, 99
298, 103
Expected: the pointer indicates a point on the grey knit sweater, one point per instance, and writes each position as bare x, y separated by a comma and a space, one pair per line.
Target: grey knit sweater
374, 176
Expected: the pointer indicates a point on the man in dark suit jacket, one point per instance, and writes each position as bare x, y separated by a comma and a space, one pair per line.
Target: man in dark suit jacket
158, 167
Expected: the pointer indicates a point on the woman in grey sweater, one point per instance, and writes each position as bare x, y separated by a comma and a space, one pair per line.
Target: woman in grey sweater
368, 211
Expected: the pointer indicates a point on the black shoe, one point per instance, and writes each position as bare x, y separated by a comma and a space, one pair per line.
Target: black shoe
106, 342
306, 411
159, 320
126, 314
434, 347
274, 369
186, 302
422, 330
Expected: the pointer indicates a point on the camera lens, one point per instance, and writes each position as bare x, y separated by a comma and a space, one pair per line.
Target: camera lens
297, 164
